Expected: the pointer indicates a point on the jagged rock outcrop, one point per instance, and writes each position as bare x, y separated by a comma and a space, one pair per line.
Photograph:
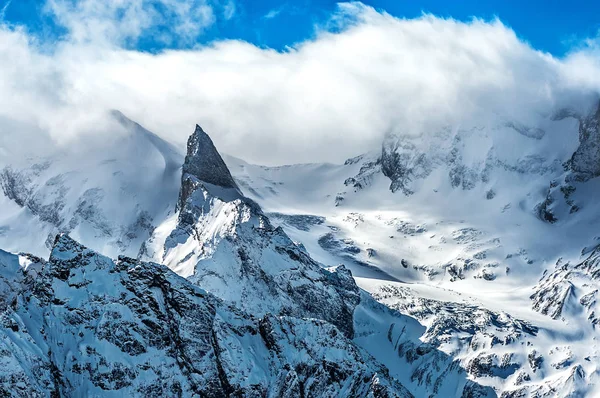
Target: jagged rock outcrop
573, 285
467, 155
91, 326
16, 271
584, 164
203, 163
477, 336
586, 159
370, 167
402, 162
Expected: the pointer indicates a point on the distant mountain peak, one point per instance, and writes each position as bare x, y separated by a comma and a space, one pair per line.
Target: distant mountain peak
203, 164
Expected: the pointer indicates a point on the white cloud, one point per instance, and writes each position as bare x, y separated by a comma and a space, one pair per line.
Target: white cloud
4, 8
325, 99
274, 12
125, 21
229, 10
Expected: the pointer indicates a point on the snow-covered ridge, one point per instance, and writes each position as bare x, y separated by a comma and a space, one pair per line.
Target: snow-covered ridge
110, 197
88, 325
224, 243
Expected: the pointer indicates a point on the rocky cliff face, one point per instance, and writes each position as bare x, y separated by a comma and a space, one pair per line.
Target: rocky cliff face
561, 198
203, 163
402, 162
16, 271
586, 159
464, 157
88, 325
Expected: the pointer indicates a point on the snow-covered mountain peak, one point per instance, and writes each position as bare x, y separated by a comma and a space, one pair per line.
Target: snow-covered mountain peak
224, 243
229, 247
108, 196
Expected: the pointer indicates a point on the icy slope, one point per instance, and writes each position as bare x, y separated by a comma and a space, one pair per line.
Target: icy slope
108, 196
459, 203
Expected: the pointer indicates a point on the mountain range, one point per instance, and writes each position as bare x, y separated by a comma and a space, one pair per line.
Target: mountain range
461, 262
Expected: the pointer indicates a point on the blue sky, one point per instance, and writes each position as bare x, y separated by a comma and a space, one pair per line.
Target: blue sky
550, 25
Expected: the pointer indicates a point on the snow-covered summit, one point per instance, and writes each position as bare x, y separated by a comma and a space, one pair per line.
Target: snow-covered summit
445, 227
109, 196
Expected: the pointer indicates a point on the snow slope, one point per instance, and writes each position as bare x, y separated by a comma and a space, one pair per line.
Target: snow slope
224, 243
109, 197
90, 325
477, 231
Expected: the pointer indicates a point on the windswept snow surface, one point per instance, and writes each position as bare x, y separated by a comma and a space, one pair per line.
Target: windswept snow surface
90, 333
109, 196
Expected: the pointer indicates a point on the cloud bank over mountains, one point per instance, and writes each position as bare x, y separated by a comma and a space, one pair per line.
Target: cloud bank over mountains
363, 74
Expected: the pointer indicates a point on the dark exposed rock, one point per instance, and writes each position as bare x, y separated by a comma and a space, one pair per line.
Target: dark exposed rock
368, 170
535, 360
455, 318
15, 186
203, 163
586, 159
303, 222
570, 283
544, 209
530, 132
402, 163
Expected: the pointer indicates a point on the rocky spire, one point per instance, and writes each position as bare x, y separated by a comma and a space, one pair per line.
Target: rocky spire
203, 164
